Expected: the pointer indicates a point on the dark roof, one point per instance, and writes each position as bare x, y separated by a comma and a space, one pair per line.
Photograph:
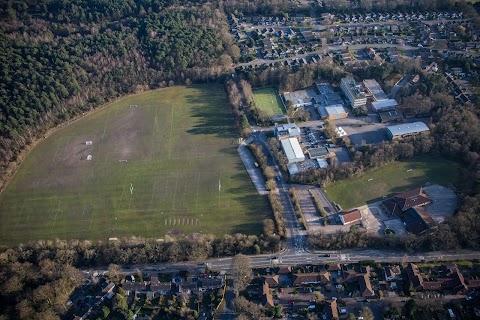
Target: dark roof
271, 280
211, 283
331, 310
161, 286
411, 198
414, 276
404, 201
284, 269
266, 296
392, 115
417, 220
306, 278
334, 267
134, 286
365, 286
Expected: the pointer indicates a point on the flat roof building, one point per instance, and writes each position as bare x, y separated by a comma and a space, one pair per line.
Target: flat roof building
292, 150
288, 130
375, 90
300, 98
406, 130
333, 112
384, 105
353, 92
390, 116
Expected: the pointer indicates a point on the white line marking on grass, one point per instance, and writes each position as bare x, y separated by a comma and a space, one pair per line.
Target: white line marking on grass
171, 136
18, 218
153, 193
198, 188
56, 151
56, 215
91, 218
175, 194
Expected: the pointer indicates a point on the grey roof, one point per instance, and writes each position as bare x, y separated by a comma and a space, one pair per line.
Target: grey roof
408, 128
384, 104
292, 149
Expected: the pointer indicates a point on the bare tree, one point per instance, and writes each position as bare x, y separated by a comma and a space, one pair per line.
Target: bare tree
242, 271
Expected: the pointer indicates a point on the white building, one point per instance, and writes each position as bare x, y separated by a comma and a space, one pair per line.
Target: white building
384, 105
289, 130
300, 98
353, 92
292, 150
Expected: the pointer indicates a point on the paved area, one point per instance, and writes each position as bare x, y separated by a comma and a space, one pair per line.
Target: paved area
445, 202
309, 208
396, 225
342, 154
254, 172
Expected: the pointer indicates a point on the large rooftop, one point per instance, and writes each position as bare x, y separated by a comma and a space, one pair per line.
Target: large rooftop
408, 128
375, 89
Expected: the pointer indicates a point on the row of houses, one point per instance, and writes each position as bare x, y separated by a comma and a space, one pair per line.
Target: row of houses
448, 278
154, 288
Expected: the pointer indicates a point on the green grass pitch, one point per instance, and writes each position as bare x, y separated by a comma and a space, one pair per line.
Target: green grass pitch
395, 177
268, 102
160, 161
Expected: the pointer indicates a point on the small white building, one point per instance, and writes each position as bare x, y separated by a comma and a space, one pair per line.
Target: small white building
292, 150
289, 130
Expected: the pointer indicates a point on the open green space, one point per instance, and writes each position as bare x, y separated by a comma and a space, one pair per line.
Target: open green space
268, 102
161, 161
396, 177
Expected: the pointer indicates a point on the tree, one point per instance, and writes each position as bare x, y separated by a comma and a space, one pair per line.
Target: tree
367, 313
242, 272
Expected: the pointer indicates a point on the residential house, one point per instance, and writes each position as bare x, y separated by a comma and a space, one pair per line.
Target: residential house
272, 281
266, 297
331, 310
284, 270
334, 267
301, 279
351, 216
134, 287
363, 281
161, 288
188, 287
392, 273
450, 278
211, 283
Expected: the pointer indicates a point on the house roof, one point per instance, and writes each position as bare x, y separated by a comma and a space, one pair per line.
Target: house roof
334, 267
284, 270
332, 309
351, 216
271, 280
167, 286
266, 296
365, 285
414, 275
392, 271
305, 278
211, 283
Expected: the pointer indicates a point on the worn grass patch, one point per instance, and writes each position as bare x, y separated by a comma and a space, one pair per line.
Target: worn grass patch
160, 161
395, 177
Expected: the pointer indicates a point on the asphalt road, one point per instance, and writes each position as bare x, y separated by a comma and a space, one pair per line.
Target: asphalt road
298, 258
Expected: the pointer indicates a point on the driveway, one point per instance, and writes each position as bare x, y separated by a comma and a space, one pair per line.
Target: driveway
254, 172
